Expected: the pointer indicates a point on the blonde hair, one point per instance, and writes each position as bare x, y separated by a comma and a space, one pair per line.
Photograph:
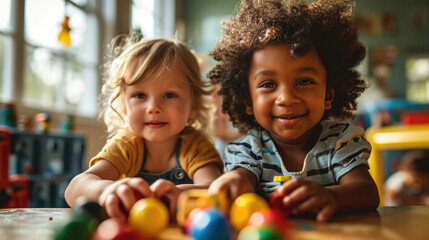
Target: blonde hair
144, 60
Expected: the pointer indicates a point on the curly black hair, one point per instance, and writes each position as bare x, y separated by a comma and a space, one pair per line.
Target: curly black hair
326, 25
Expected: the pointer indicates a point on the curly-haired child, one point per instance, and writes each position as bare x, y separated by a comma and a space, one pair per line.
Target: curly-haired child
158, 109
288, 81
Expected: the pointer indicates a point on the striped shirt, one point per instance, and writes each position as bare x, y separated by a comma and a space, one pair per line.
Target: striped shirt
340, 148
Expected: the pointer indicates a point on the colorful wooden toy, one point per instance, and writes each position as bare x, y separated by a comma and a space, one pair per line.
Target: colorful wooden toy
272, 218
91, 207
78, 226
281, 178
115, 229
199, 198
259, 233
244, 206
190, 218
149, 217
276, 202
210, 224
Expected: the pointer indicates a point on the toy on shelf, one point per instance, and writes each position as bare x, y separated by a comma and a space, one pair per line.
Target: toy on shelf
67, 123
43, 121
7, 115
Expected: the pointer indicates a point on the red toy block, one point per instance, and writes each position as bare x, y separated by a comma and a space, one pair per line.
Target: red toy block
276, 202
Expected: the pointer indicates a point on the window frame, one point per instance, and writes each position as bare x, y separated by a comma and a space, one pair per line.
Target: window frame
64, 56
163, 19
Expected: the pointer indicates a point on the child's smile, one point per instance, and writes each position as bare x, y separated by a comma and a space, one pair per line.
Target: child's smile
155, 124
288, 120
289, 95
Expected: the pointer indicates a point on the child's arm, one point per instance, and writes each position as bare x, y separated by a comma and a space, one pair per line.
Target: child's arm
234, 183
203, 177
99, 184
356, 191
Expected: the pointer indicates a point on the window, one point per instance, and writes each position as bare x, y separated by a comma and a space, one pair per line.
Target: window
45, 75
417, 69
155, 18
6, 46
55, 77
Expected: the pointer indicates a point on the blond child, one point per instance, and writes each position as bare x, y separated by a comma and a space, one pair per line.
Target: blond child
158, 109
288, 78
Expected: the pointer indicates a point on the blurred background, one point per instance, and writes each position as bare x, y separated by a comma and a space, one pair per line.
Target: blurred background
51, 52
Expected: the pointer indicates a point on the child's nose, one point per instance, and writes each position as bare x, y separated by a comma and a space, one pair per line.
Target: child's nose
287, 97
153, 107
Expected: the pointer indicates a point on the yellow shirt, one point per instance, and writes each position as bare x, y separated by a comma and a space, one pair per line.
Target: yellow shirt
126, 150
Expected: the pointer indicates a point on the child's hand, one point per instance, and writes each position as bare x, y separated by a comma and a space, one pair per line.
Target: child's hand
306, 196
120, 196
167, 192
234, 183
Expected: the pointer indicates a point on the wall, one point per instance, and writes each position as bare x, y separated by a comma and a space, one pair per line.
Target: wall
202, 19
408, 39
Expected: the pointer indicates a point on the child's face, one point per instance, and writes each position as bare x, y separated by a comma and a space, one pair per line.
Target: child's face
159, 109
289, 96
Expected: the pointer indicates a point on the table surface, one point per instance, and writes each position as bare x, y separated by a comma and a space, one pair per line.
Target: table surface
393, 223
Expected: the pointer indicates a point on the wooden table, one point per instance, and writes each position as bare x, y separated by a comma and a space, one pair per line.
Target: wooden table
392, 223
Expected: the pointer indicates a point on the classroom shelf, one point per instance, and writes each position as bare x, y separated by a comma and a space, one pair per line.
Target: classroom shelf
49, 160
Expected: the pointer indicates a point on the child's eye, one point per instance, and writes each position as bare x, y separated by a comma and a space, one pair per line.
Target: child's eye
304, 82
267, 85
139, 95
170, 95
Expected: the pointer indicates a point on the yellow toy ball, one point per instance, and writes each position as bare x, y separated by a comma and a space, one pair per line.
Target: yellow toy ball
244, 206
149, 217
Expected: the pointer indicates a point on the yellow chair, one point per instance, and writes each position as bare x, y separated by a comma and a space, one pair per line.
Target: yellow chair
393, 138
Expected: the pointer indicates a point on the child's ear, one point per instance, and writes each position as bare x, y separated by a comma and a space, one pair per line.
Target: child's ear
249, 109
329, 97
